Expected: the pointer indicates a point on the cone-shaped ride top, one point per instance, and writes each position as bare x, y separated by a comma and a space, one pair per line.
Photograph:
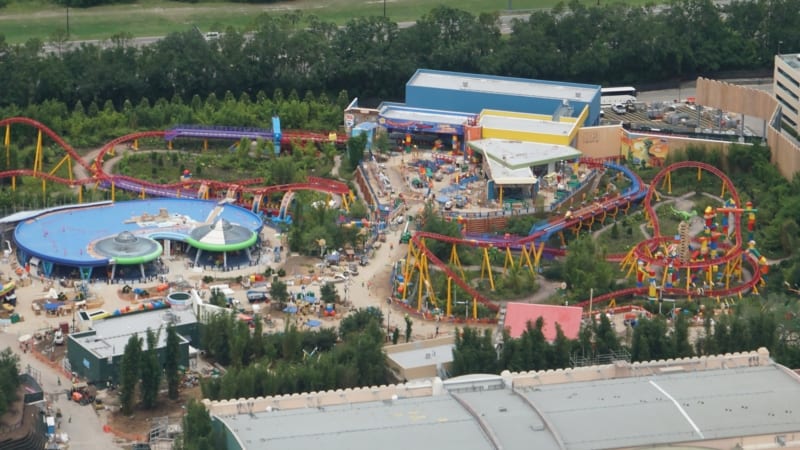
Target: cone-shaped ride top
221, 236
127, 248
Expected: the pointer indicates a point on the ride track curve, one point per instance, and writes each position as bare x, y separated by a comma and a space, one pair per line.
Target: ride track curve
645, 249
634, 193
187, 188
637, 191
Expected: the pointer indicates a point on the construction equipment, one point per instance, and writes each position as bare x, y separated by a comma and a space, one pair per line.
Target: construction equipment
82, 393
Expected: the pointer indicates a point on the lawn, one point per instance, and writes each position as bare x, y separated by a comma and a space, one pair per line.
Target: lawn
23, 20
624, 242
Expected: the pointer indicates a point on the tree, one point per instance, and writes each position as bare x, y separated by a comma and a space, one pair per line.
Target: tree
409, 322
680, 337
218, 298
559, 350
355, 150
650, 340
279, 292
474, 352
283, 171
327, 293
395, 335
150, 370
606, 340
171, 355
9, 378
359, 320
434, 223
615, 231
533, 348
198, 433
129, 373
586, 268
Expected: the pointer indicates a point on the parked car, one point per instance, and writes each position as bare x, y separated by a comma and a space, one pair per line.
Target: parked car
58, 337
257, 296
618, 108
340, 277
364, 260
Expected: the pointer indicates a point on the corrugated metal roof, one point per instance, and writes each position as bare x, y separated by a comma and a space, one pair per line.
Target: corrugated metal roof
503, 85
656, 408
526, 124
112, 334
518, 154
671, 407
423, 356
400, 112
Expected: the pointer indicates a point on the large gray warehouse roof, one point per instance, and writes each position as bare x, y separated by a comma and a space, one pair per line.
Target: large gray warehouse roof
646, 405
669, 408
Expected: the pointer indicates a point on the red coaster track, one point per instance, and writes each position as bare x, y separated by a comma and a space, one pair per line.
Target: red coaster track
187, 188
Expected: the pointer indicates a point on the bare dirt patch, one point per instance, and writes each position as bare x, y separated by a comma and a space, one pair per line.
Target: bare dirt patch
139, 423
300, 265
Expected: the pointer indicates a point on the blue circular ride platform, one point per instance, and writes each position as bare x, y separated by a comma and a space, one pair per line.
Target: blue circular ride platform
89, 236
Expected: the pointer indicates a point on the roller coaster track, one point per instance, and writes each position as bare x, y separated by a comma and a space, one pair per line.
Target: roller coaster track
632, 194
638, 191
236, 133
734, 251
188, 188
679, 292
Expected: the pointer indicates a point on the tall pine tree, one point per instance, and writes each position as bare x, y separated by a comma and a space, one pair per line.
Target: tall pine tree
129, 373
150, 371
171, 356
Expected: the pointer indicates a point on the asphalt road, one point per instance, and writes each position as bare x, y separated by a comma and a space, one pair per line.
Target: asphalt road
81, 423
506, 22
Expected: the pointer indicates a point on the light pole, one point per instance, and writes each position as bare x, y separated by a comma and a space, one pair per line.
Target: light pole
384, 9
779, 47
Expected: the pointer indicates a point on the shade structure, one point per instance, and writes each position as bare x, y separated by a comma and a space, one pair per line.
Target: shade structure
127, 248
221, 236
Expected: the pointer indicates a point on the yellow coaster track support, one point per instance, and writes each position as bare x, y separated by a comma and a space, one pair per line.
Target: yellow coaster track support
38, 157
509, 260
66, 159
667, 182
486, 267
7, 143
456, 261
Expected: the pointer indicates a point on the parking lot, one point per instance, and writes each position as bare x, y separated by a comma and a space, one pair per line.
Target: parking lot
679, 117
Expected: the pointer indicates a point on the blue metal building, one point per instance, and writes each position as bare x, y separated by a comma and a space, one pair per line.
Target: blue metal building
473, 93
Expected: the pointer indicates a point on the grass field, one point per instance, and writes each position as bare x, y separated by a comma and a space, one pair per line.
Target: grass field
26, 19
